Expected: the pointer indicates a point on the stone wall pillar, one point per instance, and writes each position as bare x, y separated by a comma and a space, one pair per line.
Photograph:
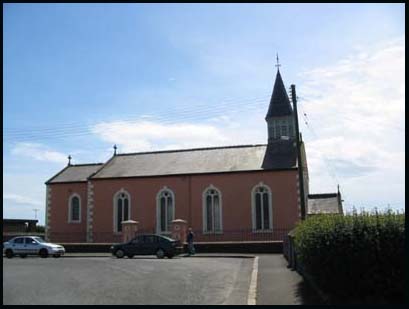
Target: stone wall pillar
47, 235
90, 211
179, 230
129, 229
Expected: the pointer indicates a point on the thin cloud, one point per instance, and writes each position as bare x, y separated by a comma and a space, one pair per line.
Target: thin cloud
355, 113
148, 135
38, 152
21, 200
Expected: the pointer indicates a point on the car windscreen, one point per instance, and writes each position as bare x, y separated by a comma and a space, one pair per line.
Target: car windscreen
30, 241
167, 238
39, 239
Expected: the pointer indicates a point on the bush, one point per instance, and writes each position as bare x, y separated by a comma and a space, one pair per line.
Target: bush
40, 229
357, 257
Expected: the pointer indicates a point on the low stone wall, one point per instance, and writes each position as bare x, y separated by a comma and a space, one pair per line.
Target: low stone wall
202, 247
290, 255
86, 247
239, 247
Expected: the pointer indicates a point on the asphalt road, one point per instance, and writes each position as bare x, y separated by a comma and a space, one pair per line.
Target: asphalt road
278, 285
141, 280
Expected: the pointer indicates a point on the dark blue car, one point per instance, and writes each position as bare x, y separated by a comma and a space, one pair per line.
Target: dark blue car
147, 244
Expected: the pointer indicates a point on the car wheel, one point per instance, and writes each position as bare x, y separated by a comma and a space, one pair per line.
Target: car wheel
56, 255
119, 254
130, 256
9, 253
160, 254
23, 256
43, 253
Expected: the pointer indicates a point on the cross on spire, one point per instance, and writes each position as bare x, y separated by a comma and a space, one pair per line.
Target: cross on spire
278, 65
69, 159
115, 150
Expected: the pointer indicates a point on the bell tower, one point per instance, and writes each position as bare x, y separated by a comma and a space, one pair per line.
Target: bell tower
280, 117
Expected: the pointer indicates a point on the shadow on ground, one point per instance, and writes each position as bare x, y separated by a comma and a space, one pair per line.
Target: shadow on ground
307, 295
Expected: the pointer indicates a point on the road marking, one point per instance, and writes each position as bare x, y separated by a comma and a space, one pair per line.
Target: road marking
251, 298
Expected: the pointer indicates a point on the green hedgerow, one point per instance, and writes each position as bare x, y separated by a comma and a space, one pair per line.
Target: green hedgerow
358, 256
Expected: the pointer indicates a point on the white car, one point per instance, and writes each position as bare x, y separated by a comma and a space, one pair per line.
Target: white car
31, 245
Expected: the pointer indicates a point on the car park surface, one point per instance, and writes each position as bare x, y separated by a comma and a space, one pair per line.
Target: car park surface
140, 280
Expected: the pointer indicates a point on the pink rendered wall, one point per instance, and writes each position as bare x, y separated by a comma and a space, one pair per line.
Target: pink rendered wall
60, 229
143, 193
236, 199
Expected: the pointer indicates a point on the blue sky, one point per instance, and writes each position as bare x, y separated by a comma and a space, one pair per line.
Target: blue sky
78, 78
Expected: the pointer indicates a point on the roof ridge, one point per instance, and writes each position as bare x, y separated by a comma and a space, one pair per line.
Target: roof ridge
86, 164
323, 195
190, 149
67, 167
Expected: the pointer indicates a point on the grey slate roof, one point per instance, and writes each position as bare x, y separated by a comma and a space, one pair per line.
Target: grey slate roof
328, 203
280, 153
279, 103
193, 161
75, 173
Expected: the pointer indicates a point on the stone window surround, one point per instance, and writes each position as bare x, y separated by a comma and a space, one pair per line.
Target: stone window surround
204, 216
70, 208
253, 208
158, 197
115, 204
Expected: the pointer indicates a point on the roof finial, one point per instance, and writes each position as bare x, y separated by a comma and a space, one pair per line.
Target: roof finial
115, 150
278, 63
69, 159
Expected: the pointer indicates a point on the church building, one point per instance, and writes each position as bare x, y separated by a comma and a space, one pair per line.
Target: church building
247, 192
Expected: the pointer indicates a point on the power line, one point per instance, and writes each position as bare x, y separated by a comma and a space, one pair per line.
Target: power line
85, 130
330, 168
365, 119
182, 112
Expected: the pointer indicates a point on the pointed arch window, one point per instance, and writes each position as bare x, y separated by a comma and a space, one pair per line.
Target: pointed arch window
212, 210
122, 209
277, 129
271, 129
262, 208
74, 208
290, 130
284, 129
165, 210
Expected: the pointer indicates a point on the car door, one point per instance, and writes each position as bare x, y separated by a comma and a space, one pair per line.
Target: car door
18, 245
134, 247
31, 246
150, 244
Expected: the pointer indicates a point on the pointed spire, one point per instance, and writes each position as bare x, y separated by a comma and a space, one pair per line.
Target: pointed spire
279, 103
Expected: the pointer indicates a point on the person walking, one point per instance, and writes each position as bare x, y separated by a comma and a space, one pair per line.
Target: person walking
189, 239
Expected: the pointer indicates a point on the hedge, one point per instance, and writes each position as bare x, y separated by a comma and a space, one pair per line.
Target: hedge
356, 257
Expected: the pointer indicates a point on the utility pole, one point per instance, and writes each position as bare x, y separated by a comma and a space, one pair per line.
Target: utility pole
35, 211
298, 142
